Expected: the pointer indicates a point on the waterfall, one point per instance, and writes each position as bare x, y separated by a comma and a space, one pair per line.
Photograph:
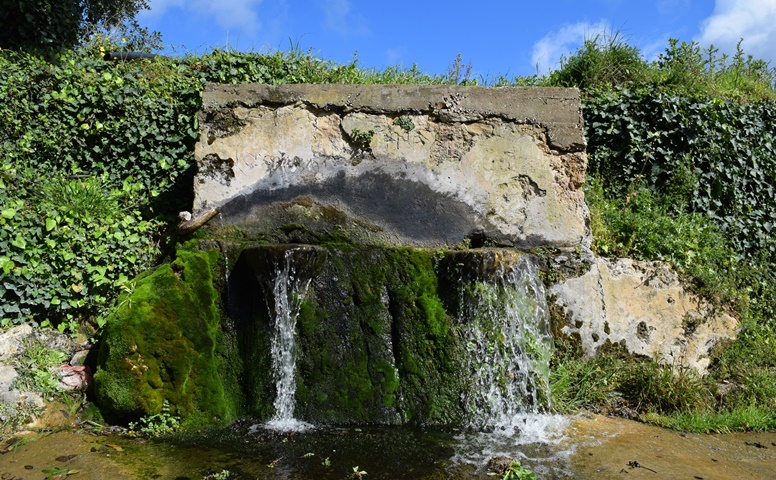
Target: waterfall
288, 294
505, 323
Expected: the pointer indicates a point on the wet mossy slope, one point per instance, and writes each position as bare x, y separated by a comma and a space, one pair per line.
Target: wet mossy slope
378, 336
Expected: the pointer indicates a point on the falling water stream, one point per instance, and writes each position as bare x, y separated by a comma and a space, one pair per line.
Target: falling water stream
505, 326
509, 349
288, 293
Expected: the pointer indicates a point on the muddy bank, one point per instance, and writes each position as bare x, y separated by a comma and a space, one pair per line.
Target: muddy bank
616, 448
596, 447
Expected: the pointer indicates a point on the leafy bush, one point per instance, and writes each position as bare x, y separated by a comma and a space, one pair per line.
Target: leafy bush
604, 60
114, 141
67, 249
721, 153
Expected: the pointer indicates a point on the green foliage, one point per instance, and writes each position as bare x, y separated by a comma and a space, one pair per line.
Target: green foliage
611, 383
687, 68
362, 139
131, 122
57, 24
607, 61
604, 60
404, 122
296, 66
515, 471
747, 418
69, 246
34, 368
113, 140
161, 423
707, 156
640, 224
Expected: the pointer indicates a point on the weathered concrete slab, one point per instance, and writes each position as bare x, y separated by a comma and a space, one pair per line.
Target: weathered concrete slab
642, 307
416, 165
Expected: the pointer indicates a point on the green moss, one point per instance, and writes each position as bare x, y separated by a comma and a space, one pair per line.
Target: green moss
378, 334
391, 380
164, 342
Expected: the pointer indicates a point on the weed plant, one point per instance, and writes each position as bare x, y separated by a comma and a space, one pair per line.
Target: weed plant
34, 368
162, 423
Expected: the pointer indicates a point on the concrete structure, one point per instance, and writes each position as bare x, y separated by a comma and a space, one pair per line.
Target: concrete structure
406, 165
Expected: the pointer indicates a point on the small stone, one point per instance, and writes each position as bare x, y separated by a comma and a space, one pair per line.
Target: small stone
29, 467
79, 358
74, 378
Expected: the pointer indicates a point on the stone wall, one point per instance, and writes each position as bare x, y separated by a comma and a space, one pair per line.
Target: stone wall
398, 165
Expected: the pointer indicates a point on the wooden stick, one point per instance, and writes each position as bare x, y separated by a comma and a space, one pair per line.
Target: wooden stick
195, 223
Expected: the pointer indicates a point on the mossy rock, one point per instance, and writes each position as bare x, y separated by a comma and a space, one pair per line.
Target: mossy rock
376, 340
164, 342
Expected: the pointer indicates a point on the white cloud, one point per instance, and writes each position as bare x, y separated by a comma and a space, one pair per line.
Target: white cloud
547, 52
338, 18
752, 20
236, 15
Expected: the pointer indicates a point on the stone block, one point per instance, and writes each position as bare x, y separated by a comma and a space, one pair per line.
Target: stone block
642, 307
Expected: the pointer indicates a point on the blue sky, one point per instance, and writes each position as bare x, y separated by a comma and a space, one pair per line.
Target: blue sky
509, 37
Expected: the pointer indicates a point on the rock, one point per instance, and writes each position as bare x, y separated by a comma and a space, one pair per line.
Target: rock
79, 358
160, 346
499, 465
74, 378
10, 396
7, 376
642, 307
12, 341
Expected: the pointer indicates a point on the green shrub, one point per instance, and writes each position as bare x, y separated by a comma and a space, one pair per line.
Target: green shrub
721, 151
604, 60
68, 248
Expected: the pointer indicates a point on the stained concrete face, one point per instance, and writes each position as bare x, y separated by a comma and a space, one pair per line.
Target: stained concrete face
643, 308
400, 165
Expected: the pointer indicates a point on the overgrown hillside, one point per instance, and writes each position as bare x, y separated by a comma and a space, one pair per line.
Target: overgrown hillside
97, 161
681, 169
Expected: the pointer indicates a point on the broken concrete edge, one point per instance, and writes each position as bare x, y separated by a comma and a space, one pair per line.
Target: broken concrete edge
543, 106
